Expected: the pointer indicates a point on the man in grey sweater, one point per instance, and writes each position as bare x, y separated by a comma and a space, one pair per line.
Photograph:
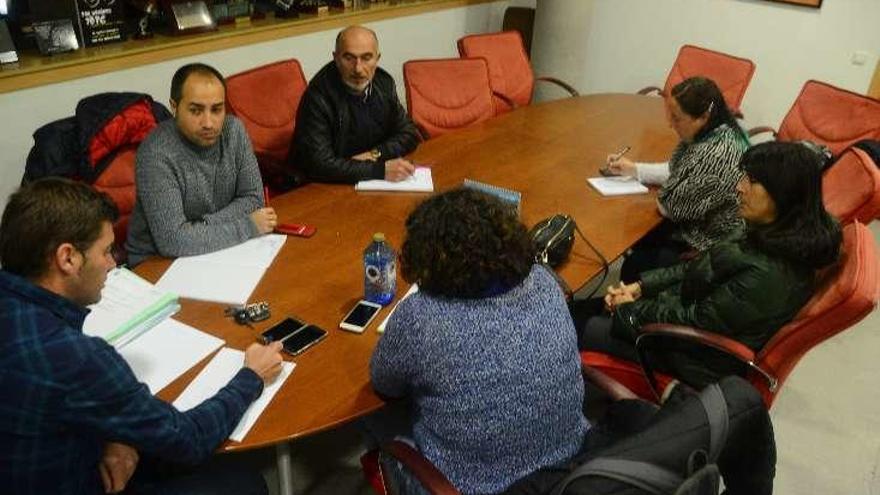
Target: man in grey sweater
198, 184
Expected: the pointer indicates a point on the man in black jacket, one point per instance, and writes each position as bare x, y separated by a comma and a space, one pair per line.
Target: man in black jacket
350, 125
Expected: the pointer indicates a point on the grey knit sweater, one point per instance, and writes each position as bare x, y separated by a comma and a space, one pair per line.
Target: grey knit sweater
496, 382
193, 200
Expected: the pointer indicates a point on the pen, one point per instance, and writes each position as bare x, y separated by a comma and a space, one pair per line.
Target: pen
266, 196
619, 154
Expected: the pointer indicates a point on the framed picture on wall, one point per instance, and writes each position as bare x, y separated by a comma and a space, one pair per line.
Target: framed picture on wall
805, 3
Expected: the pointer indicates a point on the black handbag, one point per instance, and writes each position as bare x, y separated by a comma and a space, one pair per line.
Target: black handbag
552, 239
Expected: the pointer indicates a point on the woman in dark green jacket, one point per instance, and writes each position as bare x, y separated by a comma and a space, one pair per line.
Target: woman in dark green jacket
745, 288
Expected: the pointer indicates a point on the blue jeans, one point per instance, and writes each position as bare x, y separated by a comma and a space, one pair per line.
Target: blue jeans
158, 478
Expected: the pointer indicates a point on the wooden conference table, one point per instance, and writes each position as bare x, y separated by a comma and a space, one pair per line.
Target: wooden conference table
545, 151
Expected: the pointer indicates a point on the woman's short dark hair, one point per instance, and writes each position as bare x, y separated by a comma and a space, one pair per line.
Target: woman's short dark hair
465, 244
46, 213
803, 231
698, 95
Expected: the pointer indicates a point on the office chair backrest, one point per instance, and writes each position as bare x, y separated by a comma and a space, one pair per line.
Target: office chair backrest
831, 116
851, 187
509, 68
731, 74
266, 99
846, 294
447, 94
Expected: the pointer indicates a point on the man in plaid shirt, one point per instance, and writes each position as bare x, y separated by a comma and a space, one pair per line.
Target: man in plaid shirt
73, 417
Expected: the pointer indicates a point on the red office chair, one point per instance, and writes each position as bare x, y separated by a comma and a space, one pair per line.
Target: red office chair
447, 94
846, 294
731, 74
838, 118
511, 76
266, 100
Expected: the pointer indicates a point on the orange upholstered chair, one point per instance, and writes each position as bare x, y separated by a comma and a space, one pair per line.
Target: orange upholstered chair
511, 76
731, 74
838, 118
447, 94
117, 180
266, 100
847, 293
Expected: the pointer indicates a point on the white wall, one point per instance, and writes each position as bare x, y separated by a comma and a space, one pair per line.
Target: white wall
423, 36
624, 45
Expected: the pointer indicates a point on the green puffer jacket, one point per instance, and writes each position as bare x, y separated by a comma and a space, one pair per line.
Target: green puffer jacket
732, 289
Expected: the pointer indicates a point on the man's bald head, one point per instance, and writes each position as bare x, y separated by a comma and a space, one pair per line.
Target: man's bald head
356, 56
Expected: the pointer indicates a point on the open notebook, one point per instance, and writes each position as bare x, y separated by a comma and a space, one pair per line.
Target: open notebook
227, 276
617, 186
419, 181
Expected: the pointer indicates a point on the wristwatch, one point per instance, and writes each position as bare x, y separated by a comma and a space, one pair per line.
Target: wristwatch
375, 154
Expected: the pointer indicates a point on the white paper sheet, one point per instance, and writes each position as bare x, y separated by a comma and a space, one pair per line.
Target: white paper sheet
216, 375
419, 181
412, 290
167, 351
227, 276
617, 186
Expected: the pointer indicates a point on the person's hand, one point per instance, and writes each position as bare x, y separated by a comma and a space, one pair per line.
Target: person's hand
365, 156
117, 465
398, 169
622, 294
265, 219
621, 166
265, 360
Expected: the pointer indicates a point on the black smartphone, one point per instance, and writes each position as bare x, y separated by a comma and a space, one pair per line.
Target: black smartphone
281, 330
303, 338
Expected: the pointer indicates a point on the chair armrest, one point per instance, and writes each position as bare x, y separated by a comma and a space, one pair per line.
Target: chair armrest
614, 389
429, 476
754, 131
720, 342
559, 82
505, 99
724, 344
650, 89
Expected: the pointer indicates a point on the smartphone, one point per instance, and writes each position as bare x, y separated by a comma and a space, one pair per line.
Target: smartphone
360, 316
281, 330
303, 338
296, 229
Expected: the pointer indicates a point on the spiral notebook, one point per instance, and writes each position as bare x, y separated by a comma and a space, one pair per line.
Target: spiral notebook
513, 198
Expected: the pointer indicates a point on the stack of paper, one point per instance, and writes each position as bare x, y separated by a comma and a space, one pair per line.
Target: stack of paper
216, 375
227, 276
129, 306
419, 181
617, 186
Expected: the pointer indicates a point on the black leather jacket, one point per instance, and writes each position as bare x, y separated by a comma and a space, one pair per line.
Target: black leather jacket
321, 123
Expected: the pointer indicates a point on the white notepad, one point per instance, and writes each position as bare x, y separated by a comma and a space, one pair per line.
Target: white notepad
216, 375
419, 181
617, 186
167, 351
227, 276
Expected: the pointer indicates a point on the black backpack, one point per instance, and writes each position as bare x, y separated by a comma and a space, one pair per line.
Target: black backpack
702, 476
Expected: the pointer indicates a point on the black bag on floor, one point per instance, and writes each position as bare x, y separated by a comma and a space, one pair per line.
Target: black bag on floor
684, 449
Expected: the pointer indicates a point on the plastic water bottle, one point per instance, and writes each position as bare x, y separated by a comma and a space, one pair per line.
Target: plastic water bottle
380, 271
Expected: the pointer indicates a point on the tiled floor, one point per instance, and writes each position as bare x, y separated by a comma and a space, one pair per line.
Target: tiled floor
827, 422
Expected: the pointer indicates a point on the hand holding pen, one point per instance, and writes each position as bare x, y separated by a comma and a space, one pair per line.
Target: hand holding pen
265, 218
616, 164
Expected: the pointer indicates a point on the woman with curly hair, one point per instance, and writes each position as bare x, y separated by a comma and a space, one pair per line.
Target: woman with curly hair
485, 351
746, 288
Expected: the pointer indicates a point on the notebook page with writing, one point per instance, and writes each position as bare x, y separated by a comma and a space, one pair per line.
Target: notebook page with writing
216, 375
420, 181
